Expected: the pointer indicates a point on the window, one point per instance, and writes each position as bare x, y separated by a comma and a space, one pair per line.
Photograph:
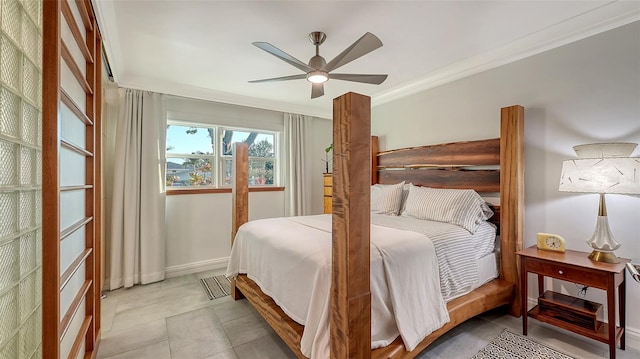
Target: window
201, 155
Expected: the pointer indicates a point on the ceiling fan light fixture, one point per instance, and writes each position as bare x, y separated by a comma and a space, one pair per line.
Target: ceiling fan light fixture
317, 77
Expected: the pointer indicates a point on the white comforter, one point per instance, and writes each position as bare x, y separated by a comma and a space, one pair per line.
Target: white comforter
290, 259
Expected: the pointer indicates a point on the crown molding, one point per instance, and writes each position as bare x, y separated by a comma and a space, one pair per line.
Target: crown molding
201, 93
606, 17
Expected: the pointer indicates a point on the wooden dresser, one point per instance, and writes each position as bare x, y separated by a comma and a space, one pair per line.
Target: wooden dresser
327, 181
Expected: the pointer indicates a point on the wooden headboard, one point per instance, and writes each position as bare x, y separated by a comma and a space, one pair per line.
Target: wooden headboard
449, 165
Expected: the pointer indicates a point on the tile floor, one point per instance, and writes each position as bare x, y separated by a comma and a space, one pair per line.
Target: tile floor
174, 319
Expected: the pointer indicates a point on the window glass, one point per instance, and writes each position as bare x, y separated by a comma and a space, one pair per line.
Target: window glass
190, 139
192, 156
189, 172
261, 156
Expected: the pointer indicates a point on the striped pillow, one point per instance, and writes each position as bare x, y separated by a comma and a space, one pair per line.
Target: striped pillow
462, 207
386, 199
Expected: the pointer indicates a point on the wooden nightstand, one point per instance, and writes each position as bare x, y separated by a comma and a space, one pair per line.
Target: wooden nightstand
574, 266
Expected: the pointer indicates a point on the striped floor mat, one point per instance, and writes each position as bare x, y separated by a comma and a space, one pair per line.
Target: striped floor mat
216, 287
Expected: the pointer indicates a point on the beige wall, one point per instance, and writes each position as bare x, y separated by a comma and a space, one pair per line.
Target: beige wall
584, 92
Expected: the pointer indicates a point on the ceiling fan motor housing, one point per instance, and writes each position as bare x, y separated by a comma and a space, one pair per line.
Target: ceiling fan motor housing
317, 62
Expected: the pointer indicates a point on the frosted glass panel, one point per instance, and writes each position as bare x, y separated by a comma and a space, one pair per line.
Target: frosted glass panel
71, 127
71, 207
76, 323
76, 54
76, 15
72, 165
71, 85
71, 247
71, 289
20, 194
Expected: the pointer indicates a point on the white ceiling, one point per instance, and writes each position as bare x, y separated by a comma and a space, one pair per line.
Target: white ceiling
202, 49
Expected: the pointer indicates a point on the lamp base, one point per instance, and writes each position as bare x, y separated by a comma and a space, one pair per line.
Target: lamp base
606, 257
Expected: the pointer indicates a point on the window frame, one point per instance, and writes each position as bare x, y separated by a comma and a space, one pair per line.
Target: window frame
218, 160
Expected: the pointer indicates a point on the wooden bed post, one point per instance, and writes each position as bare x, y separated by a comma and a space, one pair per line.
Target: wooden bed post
511, 195
374, 159
350, 303
239, 197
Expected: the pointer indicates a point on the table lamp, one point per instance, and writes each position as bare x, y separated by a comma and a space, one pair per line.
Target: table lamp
602, 168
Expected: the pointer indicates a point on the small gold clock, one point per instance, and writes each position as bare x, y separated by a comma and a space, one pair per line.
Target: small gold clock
551, 242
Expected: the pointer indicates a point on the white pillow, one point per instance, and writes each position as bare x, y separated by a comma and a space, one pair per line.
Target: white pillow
405, 194
386, 199
463, 207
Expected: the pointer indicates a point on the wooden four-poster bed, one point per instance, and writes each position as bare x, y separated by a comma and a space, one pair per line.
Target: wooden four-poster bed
436, 166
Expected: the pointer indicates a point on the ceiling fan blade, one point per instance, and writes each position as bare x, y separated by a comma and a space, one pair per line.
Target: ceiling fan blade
284, 78
283, 56
369, 79
364, 45
317, 90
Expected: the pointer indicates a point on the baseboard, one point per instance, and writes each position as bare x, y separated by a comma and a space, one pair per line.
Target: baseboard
633, 338
195, 267
632, 334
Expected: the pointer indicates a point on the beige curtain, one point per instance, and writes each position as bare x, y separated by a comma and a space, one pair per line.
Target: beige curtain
298, 152
136, 250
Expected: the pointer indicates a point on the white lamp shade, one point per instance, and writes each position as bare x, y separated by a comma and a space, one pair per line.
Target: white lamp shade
602, 168
601, 175
604, 150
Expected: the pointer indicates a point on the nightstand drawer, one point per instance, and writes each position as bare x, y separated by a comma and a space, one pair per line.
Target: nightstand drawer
568, 273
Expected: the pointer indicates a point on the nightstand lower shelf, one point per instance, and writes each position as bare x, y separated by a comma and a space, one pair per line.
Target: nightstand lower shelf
601, 335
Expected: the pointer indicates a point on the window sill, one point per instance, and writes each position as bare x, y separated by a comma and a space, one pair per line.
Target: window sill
172, 191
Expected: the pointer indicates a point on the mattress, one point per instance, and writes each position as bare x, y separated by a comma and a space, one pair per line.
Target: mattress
488, 267
280, 252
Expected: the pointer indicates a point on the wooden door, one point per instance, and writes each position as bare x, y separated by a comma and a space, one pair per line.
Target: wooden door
71, 179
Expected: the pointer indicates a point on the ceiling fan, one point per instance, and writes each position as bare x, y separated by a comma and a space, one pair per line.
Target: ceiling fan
318, 71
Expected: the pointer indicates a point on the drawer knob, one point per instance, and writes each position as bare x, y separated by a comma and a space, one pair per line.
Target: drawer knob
560, 272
